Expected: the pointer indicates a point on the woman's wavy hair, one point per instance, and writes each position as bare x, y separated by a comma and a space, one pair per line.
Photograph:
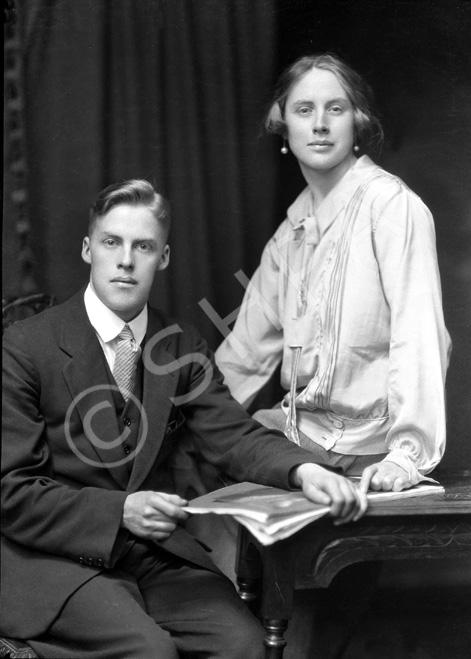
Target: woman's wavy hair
368, 129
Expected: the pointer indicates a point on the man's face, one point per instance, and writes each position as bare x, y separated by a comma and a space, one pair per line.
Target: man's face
125, 249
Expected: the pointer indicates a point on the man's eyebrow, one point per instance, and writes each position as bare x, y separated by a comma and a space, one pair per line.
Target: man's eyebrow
145, 240
110, 234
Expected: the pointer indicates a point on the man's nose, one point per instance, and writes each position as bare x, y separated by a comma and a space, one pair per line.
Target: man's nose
126, 259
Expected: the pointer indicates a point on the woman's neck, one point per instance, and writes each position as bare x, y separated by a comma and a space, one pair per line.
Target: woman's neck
322, 182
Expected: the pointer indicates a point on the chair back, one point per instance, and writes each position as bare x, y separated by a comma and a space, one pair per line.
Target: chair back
23, 307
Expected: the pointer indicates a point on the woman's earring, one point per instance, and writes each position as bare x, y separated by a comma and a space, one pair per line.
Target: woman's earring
284, 149
356, 148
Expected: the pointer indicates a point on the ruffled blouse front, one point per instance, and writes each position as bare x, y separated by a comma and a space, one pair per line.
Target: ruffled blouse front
353, 289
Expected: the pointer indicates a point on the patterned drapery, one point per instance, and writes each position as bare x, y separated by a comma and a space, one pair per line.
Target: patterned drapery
18, 255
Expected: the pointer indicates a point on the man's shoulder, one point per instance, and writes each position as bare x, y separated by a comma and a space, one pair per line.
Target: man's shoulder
160, 319
46, 322
164, 325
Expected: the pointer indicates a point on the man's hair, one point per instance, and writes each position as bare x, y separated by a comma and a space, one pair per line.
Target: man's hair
368, 130
135, 192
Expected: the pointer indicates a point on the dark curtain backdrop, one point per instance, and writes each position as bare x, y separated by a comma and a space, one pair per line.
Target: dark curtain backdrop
169, 90
175, 90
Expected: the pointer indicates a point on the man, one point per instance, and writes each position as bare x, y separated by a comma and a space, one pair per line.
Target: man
96, 560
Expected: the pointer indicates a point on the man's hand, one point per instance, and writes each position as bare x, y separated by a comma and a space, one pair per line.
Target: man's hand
347, 502
153, 515
386, 476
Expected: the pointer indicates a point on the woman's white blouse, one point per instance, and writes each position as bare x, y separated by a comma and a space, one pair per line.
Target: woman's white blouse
356, 287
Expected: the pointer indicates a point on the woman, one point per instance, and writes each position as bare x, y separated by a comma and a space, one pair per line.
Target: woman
347, 295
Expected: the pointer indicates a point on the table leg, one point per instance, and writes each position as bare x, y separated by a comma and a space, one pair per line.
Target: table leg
275, 641
276, 567
249, 592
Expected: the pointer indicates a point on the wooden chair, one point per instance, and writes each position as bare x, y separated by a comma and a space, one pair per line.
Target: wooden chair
12, 649
23, 307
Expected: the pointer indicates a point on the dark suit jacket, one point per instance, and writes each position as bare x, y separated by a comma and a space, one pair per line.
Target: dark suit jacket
64, 475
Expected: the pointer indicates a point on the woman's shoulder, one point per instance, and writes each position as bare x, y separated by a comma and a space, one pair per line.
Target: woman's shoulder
392, 203
383, 186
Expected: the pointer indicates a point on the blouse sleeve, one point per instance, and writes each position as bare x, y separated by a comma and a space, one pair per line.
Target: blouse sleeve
251, 352
404, 240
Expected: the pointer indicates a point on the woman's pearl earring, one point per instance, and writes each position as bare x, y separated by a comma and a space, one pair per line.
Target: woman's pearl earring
284, 149
356, 148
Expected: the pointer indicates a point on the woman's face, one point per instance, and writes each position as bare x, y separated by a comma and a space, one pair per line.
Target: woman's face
320, 123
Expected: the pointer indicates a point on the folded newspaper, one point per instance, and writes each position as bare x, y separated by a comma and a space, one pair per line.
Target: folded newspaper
272, 514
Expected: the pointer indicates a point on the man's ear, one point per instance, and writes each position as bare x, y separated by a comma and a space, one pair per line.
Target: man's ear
164, 259
86, 250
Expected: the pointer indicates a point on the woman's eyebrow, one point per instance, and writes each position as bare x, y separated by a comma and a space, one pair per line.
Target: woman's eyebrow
339, 99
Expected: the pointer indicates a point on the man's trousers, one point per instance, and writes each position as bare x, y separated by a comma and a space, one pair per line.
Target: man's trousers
153, 606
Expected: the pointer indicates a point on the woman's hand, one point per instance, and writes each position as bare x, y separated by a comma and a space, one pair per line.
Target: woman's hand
385, 475
347, 502
153, 515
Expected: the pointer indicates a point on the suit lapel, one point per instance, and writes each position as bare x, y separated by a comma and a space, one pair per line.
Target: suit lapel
87, 378
160, 381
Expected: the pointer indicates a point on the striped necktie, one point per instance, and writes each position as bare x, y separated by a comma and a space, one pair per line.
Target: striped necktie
127, 354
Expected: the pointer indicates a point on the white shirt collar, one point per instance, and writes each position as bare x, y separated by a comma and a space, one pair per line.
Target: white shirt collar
106, 323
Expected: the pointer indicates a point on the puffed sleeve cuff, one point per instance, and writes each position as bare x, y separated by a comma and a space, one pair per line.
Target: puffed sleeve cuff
402, 458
